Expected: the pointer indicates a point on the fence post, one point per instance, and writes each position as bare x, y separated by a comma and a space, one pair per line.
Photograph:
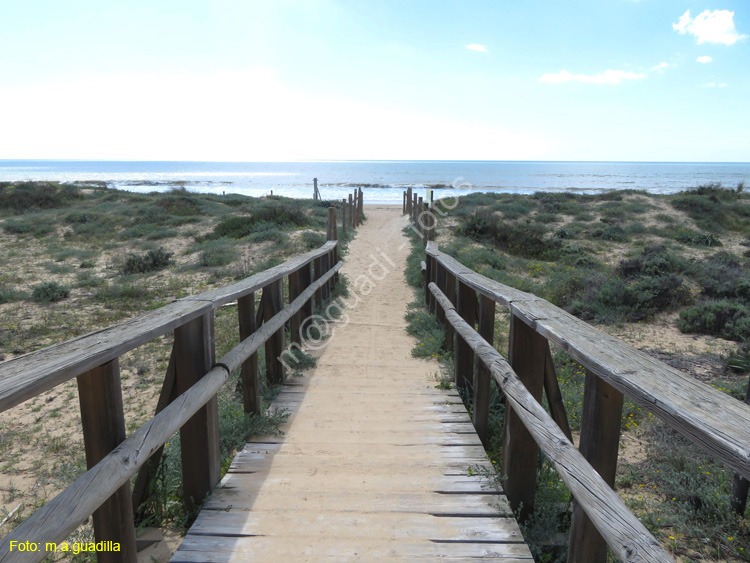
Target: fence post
450, 292
249, 373
103, 419
408, 201
440, 282
600, 440
520, 452
343, 216
295, 288
418, 219
315, 188
403, 204
464, 357
482, 373
351, 212
199, 436
427, 278
360, 205
318, 263
274, 303
354, 210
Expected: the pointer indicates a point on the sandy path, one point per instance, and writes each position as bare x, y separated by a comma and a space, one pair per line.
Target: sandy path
374, 460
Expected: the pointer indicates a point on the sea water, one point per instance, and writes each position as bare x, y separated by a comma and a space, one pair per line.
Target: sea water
381, 181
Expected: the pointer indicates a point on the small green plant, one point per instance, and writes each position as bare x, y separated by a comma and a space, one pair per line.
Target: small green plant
150, 262
49, 292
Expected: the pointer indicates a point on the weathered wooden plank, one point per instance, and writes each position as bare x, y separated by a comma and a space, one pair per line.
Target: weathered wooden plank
554, 396
599, 444
624, 533
59, 517
711, 419
103, 422
209, 549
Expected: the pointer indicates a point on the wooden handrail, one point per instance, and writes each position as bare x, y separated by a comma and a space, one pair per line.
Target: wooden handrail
623, 532
714, 421
26, 376
62, 515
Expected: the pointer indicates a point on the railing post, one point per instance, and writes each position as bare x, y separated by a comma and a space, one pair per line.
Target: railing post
333, 254
408, 201
103, 419
343, 216
305, 279
351, 212
249, 373
440, 282
354, 210
318, 262
450, 292
418, 219
427, 278
324, 267
600, 440
464, 357
199, 436
360, 205
295, 288
403, 203
520, 452
274, 303
482, 373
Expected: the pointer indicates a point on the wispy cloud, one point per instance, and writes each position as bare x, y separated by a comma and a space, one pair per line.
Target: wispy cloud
477, 47
660, 67
715, 85
715, 26
606, 77
704, 59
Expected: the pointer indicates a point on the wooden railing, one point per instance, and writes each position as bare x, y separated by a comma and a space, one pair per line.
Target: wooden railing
187, 401
465, 302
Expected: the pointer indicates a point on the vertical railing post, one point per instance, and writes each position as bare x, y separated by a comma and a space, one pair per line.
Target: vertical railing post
464, 357
600, 440
199, 436
315, 188
249, 372
354, 210
360, 205
427, 293
295, 288
103, 419
408, 201
305, 279
318, 263
403, 203
440, 282
482, 373
343, 216
351, 212
450, 292
520, 452
275, 371
333, 254
418, 220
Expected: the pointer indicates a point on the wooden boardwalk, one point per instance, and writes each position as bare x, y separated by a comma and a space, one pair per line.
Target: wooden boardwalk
375, 460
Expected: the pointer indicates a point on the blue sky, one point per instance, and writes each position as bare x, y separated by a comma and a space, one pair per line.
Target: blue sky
239, 80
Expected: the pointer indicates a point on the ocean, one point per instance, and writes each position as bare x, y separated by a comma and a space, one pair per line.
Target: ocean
381, 181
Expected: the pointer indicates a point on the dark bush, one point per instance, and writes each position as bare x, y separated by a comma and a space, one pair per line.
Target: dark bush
723, 275
49, 292
694, 238
725, 318
23, 196
519, 240
150, 262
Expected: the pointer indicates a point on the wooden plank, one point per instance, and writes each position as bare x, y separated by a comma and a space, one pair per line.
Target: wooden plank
275, 370
103, 422
440, 281
450, 291
464, 357
624, 533
520, 452
199, 437
249, 374
600, 441
482, 373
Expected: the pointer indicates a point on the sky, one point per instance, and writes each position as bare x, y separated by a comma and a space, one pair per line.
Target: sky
276, 80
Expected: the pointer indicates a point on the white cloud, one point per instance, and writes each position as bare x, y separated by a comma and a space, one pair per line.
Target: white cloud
477, 47
715, 85
704, 59
606, 77
715, 26
660, 67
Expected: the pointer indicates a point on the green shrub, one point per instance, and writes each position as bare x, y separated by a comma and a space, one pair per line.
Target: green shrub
725, 318
8, 295
22, 196
312, 240
216, 253
150, 262
34, 225
694, 238
723, 275
49, 292
520, 240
